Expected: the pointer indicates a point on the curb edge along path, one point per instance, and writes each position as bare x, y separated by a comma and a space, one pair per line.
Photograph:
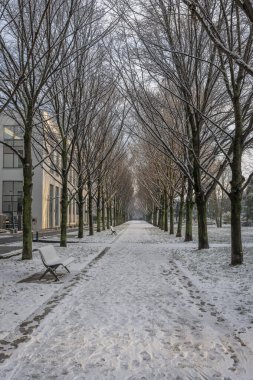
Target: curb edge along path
23, 332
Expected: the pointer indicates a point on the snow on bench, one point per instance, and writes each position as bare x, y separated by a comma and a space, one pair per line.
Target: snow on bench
113, 231
52, 261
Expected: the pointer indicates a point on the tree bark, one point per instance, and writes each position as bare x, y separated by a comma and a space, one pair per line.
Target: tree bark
27, 194
165, 211
217, 209
103, 210
236, 189
221, 211
155, 216
199, 192
108, 215
80, 211
98, 207
202, 221
160, 214
188, 212
64, 196
64, 212
90, 216
181, 212
236, 238
114, 212
171, 215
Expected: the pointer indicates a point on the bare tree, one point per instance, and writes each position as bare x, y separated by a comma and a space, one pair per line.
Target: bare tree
231, 33
33, 38
10, 80
213, 16
187, 65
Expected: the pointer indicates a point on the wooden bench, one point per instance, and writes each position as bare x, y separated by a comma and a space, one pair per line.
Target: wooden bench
52, 261
113, 231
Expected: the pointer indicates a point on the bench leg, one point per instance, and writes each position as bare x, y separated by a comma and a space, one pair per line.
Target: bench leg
66, 268
47, 270
52, 272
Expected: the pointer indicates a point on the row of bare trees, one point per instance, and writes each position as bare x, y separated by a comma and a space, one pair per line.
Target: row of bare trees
179, 71
186, 69
57, 85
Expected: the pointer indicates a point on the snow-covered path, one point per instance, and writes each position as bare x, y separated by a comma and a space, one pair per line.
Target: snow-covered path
135, 315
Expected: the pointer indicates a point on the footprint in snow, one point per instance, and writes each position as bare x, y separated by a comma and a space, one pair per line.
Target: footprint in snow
135, 363
145, 356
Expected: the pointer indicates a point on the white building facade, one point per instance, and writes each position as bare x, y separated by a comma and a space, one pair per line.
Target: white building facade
46, 207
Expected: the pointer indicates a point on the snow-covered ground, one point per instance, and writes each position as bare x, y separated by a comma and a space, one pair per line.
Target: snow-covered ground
151, 307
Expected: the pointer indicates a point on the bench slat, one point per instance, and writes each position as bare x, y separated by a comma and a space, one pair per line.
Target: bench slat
68, 261
51, 258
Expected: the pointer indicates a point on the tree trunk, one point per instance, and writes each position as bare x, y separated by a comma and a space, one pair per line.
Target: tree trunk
198, 186
201, 208
116, 221
64, 196
27, 194
171, 216
155, 216
98, 207
181, 212
165, 211
107, 214
103, 210
110, 215
221, 211
236, 238
160, 214
202, 221
90, 216
236, 189
217, 209
119, 214
188, 212
163, 214
80, 210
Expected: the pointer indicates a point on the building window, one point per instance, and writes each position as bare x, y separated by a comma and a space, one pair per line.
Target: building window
13, 137
12, 198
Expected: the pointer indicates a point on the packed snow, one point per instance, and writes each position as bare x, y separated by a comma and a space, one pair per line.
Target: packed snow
149, 307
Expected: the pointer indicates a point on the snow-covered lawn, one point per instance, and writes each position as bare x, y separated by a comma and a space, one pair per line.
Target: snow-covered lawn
19, 300
152, 307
